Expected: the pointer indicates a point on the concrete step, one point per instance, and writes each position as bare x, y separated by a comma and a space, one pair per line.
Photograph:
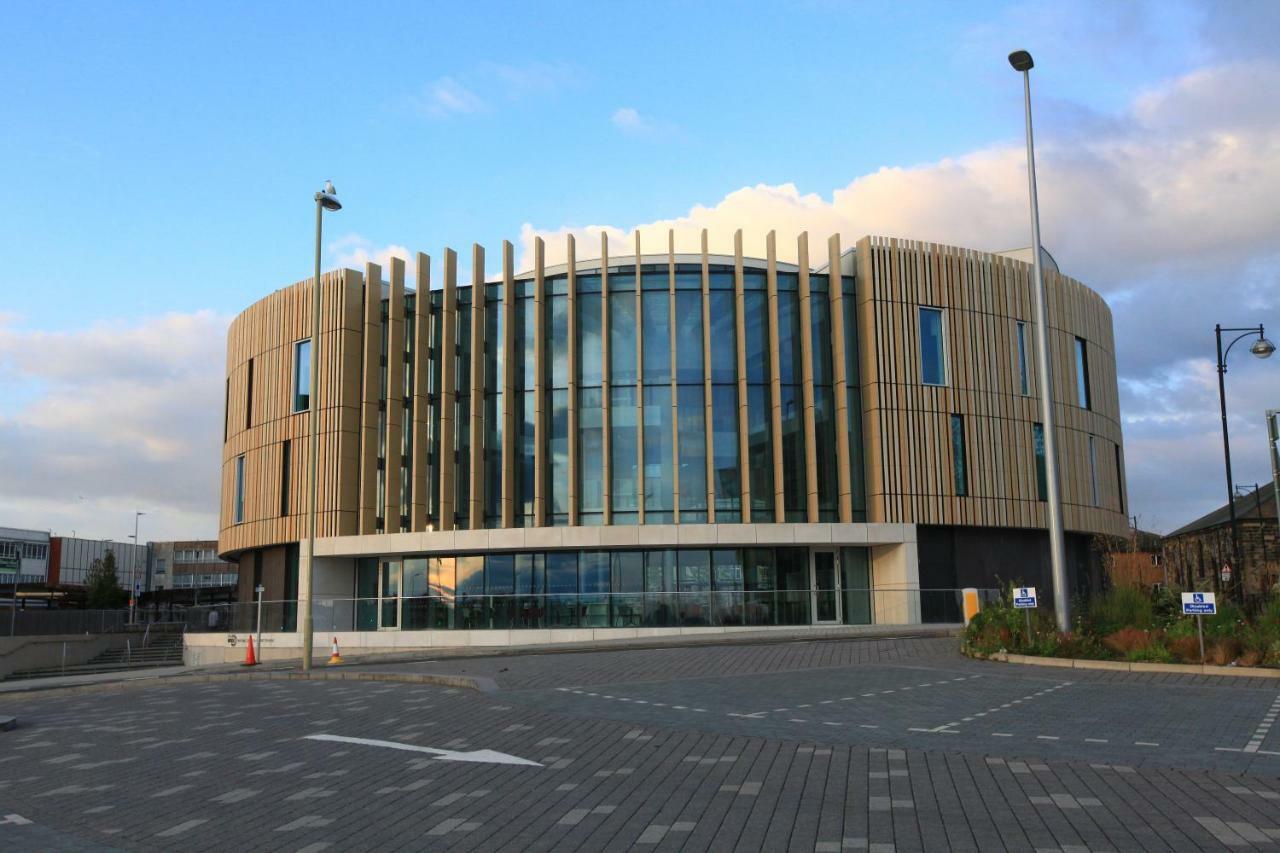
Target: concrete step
90, 668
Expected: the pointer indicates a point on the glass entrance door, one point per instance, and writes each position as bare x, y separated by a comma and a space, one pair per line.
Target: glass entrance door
389, 595
824, 579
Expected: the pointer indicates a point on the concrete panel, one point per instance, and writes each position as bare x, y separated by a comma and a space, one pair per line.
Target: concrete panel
581, 537
696, 534
659, 535
543, 537
849, 534
736, 534
775, 534
812, 534
620, 536
471, 540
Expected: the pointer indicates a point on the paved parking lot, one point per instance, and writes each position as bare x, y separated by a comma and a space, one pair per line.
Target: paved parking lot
820, 746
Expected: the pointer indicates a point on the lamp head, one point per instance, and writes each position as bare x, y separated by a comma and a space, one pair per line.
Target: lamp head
1262, 348
328, 197
1021, 60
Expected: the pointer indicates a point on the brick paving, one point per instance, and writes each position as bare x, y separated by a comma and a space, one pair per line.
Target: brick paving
884, 745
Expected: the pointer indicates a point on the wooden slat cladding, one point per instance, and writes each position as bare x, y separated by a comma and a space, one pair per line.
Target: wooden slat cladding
905, 424
908, 424
267, 332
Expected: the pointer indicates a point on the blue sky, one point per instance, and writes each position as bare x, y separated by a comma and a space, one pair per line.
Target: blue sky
160, 159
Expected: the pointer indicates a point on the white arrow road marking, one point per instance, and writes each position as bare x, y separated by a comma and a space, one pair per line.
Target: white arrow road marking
14, 819
484, 756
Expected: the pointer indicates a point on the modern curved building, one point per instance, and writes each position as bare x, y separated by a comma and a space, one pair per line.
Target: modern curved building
666, 440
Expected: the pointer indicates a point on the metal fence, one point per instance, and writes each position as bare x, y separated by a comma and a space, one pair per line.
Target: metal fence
35, 622
704, 608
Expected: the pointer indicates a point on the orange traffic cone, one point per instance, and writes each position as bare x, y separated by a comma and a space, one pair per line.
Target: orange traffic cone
250, 659
335, 657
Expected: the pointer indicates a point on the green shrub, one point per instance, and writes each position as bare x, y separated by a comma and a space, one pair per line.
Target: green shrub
1226, 624
1120, 607
1153, 653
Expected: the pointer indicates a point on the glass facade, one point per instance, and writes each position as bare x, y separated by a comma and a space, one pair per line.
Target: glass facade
686, 587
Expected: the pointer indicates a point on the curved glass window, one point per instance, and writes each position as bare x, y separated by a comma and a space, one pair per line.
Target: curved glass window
656, 343
624, 455
622, 337
659, 485
760, 452
689, 336
724, 337
691, 429
756, 333
590, 457
724, 442
590, 346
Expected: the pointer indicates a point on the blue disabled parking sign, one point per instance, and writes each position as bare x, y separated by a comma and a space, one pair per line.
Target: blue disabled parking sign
1024, 597
1199, 604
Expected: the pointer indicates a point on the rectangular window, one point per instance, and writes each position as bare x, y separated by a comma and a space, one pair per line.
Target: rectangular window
286, 454
689, 336
659, 483
622, 337
656, 341
226, 411
723, 337
760, 452
933, 361
724, 443
1042, 478
238, 509
302, 376
590, 456
248, 397
959, 466
1093, 471
1024, 385
691, 428
1119, 479
590, 347
558, 453
624, 491
1082, 375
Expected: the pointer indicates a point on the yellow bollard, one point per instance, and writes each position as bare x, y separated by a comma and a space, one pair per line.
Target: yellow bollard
971, 605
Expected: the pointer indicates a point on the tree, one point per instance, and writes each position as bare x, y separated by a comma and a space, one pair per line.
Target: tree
102, 586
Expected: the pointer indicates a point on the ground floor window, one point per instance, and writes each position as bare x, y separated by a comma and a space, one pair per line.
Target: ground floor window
685, 587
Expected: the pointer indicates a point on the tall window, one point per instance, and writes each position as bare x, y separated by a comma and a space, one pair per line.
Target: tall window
790, 371
557, 402
286, 465
722, 335
624, 400
959, 467
1082, 375
1024, 386
248, 397
590, 402
238, 510
1119, 479
759, 414
933, 360
1042, 477
226, 411
302, 376
691, 429
1093, 471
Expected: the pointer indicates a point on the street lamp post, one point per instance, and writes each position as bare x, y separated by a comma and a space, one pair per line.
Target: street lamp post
133, 570
1261, 348
1022, 62
326, 199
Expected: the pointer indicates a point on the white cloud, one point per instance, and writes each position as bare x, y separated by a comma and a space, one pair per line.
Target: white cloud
113, 418
1169, 210
477, 90
446, 97
628, 120
354, 251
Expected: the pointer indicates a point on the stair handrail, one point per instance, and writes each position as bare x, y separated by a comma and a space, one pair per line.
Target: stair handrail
145, 635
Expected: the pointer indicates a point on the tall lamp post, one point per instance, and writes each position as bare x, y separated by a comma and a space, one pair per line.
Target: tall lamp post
1022, 62
133, 570
326, 199
1261, 348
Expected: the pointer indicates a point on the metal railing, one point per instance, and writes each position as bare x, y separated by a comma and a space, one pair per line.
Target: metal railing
661, 609
35, 622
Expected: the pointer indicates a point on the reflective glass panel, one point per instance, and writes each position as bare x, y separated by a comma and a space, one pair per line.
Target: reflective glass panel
562, 589
590, 351
756, 333
593, 600
760, 452
933, 367
656, 307
790, 354
1042, 478
794, 489
695, 587
622, 337
558, 481
624, 490
558, 340
693, 453
724, 336
659, 484
728, 482
689, 342
590, 451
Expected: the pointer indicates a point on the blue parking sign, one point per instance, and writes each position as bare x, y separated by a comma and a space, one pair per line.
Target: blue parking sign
1024, 597
1199, 604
